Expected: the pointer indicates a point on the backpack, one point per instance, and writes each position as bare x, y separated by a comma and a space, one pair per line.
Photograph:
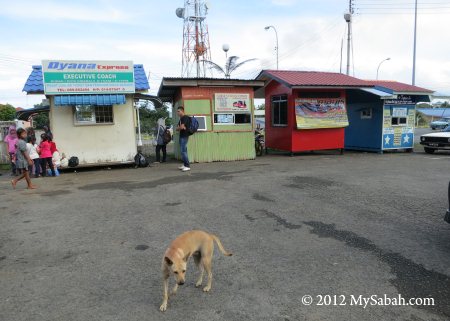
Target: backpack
193, 126
73, 161
167, 137
140, 160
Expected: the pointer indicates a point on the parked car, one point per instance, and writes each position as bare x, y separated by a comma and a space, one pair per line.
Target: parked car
447, 215
440, 124
435, 141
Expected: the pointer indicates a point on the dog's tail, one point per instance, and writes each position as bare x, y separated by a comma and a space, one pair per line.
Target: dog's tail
220, 246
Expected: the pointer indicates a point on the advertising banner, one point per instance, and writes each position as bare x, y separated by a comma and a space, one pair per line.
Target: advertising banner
68, 77
232, 102
312, 113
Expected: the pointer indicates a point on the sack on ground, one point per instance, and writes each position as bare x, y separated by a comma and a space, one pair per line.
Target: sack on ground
140, 160
193, 126
73, 161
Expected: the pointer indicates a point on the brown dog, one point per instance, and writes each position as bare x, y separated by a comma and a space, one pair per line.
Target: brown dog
197, 244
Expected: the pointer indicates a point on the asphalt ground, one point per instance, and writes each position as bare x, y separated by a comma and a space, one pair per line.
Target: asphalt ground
89, 245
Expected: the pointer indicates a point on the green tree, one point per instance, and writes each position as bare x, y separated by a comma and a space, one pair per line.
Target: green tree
150, 115
7, 112
40, 120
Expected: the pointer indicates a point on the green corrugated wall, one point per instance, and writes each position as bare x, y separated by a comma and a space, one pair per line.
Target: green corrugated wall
217, 145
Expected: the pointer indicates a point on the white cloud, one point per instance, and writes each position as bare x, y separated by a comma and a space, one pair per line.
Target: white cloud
63, 11
284, 2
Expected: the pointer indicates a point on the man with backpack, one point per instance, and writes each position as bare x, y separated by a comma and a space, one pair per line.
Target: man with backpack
183, 128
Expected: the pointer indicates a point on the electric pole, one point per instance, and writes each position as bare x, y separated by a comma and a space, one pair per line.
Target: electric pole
415, 45
348, 19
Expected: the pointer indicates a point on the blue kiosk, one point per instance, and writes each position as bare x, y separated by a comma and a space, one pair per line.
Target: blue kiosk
383, 117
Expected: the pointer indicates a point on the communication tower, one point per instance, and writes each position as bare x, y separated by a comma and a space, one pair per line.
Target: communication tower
195, 38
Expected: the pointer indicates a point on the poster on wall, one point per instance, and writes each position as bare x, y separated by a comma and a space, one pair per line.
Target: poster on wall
232, 102
320, 113
63, 77
400, 135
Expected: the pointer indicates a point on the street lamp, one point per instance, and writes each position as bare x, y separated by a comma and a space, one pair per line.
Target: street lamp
225, 48
378, 69
276, 35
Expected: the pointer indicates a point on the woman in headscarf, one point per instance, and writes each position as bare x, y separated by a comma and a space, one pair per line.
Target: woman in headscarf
160, 141
11, 140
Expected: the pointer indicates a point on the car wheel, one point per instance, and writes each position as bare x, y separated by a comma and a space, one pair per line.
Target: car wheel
429, 150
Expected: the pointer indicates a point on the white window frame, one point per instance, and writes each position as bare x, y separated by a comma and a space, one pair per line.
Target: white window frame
206, 124
272, 109
92, 122
234, 119
225, 124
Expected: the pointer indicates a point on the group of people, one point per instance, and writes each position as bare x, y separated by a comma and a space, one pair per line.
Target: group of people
163, 137
28, 158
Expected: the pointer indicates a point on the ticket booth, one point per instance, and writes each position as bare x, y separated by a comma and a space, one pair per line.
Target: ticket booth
306, 111
383, 117
224, 109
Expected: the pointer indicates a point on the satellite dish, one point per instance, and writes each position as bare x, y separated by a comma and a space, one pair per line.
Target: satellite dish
180, 12
225, 47
207, 6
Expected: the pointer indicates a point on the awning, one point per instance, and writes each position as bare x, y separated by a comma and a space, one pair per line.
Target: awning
379, 93
101, 100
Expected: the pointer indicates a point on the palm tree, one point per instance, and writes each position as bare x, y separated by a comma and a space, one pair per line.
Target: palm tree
230, 65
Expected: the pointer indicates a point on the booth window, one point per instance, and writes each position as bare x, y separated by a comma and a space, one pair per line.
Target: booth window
399, 121
279, 111
242, 118
201, 123
232, 119
366, 113
93, 114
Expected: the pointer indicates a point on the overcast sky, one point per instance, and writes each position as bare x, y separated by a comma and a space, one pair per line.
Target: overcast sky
148, 32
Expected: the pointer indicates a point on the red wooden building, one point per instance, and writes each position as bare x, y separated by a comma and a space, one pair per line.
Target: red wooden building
306, 111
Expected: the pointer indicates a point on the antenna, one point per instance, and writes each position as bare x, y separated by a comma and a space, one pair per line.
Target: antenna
196, 47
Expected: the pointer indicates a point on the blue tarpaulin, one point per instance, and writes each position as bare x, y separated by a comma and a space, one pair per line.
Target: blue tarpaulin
100, 100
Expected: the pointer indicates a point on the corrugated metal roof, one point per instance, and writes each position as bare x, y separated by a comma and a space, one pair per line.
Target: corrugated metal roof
35, 82
170, 85
312, 78
100, 100
435, 112
398, 87
379, 93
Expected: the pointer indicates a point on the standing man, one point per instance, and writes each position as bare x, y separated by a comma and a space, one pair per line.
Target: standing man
182, 128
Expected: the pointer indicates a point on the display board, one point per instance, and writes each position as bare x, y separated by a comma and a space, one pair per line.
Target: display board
232, 102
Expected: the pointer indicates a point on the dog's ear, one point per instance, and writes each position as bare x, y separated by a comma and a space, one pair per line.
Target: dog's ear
168, 261
187, 257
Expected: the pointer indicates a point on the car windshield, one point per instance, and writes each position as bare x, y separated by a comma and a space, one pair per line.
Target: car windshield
446, 129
